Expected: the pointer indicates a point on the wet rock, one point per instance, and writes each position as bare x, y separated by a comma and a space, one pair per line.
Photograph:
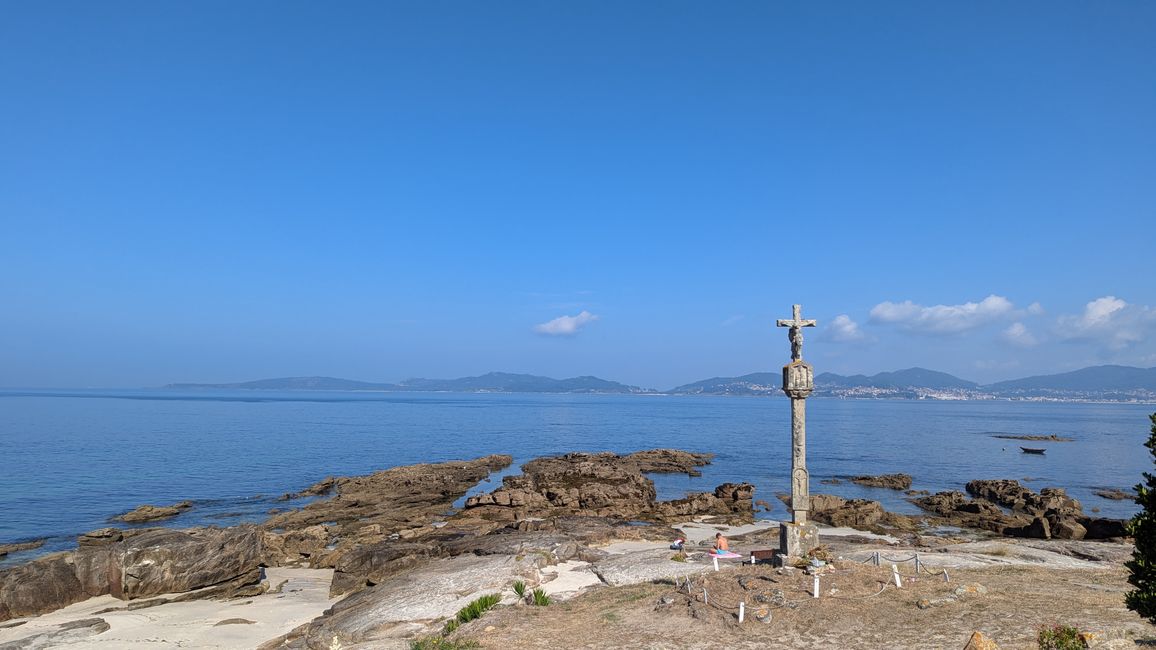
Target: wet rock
147, 513
1114, 493
100, 537
324, 486
5, 549
890, 481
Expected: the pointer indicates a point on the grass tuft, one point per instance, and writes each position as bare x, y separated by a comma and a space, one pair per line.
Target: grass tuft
540, 598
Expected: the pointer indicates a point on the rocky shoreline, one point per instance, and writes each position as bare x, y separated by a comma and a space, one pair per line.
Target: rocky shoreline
402, 558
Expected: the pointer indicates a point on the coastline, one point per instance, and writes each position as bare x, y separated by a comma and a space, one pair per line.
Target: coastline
384, 564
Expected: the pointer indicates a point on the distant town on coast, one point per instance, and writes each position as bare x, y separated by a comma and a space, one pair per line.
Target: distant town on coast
1093, 384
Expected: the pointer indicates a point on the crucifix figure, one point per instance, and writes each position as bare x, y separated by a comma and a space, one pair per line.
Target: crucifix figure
798, 537
795, 334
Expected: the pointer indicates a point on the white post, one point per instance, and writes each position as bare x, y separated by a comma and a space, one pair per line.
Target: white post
895, 572
815, 588
945, 578
742, 611
916, 564
715, 563
705, 597
752, 558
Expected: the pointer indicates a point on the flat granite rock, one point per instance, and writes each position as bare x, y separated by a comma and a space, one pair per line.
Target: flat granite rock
404, 604
644, 566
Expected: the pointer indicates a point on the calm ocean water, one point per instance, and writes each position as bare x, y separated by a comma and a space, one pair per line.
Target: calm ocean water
72, 460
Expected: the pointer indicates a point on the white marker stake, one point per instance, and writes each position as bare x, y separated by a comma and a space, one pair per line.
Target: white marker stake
815, 588
895, 572
945, 578
742, 611
752, 558
715, 564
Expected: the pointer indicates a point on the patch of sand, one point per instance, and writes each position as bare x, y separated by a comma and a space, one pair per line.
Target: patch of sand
192, 624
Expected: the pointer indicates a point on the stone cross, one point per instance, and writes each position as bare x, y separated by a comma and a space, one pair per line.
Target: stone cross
795, 334
799, 537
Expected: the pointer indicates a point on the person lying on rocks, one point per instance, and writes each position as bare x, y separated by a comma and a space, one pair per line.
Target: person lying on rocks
721, 545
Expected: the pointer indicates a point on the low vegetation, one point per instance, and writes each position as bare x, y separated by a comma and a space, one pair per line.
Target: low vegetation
1142, 527
540, 598
1060, 637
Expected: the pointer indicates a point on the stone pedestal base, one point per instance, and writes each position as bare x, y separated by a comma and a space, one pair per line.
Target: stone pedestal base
796, 541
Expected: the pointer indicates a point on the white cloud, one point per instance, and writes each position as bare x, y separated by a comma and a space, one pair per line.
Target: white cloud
942, 319
566, 325
845, 330
1035, 309
1109, 320
1018, 334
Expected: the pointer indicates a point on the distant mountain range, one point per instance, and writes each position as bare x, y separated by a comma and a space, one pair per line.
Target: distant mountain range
1122, 383
494, 382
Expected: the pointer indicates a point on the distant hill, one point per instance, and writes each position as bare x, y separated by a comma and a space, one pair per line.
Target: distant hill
909, 378
756, 383
504, 382
1095, 378
292, 383
497, 382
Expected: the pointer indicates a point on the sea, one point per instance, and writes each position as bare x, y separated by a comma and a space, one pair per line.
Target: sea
71, 460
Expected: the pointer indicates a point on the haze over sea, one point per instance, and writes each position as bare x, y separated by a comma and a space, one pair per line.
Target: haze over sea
73, 459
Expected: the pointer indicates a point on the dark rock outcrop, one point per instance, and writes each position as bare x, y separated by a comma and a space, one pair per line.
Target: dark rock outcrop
216, 561
607, 485
42, 585
1049, 514
401, 502
147, 513
5, 549
890, 481
669, 461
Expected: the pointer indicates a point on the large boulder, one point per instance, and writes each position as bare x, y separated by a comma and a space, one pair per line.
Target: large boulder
852, 513
168, 561
42, 585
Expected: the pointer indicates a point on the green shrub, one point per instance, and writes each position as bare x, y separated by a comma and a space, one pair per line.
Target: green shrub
1060, 637
439, 643
1142, 527
477, 607
520, 588
540, 598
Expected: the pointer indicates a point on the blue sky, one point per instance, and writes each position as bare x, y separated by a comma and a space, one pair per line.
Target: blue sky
222, 191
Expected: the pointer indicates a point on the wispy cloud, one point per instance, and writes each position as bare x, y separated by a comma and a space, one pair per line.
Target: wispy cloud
1110, 320
1018, 334
942, 319
845, 330
566, 325
732, 320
